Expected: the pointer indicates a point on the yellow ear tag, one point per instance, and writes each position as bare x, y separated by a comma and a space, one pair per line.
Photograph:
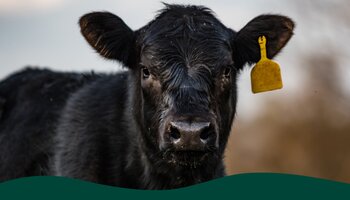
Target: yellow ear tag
266, 74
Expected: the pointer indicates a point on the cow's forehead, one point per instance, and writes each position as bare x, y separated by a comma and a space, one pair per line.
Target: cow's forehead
188, 36
187, 53
184, 22
196, 43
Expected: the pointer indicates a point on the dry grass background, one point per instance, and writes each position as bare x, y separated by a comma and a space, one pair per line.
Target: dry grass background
307, 133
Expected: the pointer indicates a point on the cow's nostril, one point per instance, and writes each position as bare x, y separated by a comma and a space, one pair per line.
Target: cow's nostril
188, 136
206, 133
174, 133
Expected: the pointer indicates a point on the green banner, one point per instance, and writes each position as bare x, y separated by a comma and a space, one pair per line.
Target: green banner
242, 186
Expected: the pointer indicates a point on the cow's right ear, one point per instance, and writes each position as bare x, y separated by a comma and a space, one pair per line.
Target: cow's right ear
108, 35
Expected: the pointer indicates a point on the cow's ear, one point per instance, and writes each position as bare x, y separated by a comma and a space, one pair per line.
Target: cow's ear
108, 35
277, 30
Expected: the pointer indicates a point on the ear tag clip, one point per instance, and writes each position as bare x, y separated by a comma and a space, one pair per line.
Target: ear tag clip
266, 74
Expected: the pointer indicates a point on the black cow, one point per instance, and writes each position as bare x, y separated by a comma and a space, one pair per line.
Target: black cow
162, 124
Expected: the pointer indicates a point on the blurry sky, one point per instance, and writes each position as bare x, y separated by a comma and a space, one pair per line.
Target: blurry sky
45, 33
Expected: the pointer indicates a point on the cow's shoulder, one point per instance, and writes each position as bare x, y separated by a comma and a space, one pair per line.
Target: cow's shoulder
95, 116
101, 102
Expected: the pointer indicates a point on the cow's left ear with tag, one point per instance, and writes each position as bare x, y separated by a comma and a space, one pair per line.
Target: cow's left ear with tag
108, 35
277, 29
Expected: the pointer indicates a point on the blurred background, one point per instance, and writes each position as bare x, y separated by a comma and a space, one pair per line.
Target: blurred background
302, 129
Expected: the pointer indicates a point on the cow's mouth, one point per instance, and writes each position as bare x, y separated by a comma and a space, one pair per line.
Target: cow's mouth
189, 159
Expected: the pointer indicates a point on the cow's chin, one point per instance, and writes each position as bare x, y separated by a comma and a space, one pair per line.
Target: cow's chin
189, 159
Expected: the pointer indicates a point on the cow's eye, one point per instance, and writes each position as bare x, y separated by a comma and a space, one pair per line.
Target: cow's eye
145, 73
227, 71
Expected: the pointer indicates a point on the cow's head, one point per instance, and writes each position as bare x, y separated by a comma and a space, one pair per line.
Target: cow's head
184, 66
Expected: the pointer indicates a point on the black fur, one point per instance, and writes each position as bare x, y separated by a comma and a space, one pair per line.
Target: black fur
114, 129
34, 100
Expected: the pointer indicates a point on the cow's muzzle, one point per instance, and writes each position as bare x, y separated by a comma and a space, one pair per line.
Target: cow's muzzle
186, 135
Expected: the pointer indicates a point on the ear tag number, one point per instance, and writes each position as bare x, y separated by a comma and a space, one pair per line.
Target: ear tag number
266, 74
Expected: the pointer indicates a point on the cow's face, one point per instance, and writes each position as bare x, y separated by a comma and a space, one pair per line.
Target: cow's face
185, 64
188, 82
